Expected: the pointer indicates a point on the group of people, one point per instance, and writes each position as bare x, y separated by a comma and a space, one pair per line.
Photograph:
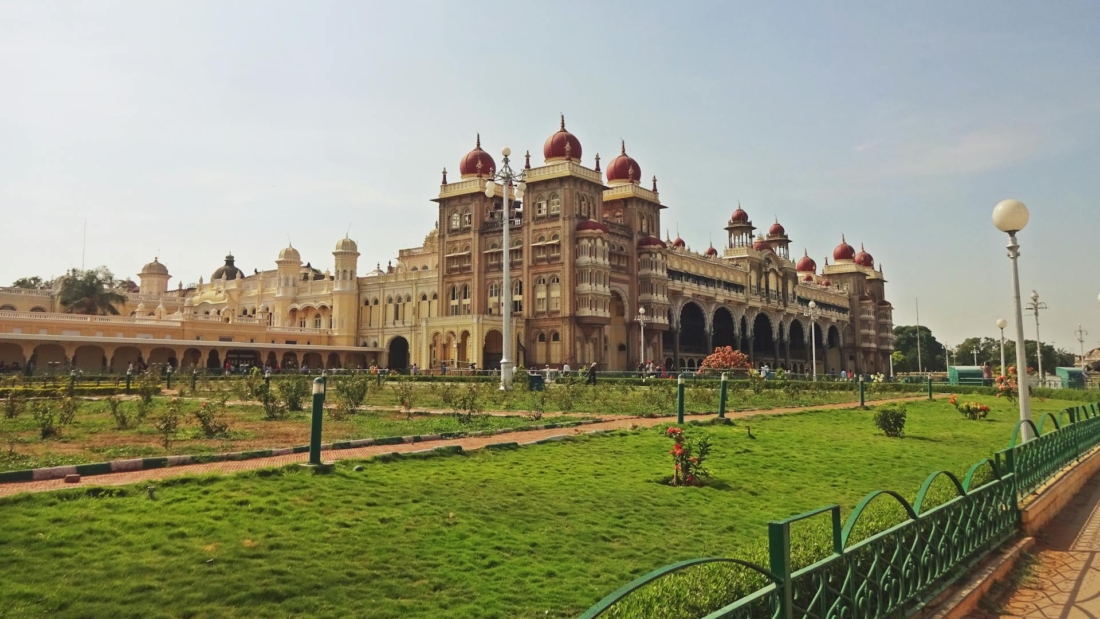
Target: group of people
14, 368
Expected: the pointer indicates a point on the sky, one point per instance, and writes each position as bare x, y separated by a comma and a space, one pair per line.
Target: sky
185, 130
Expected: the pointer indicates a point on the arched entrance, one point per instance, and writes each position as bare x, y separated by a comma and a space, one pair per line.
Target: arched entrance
192, 358
11, 354
832, 354
693, 333
399, 353
213, 361
289, 362
163, 357
89, 359
462, 357
723, 328
123, 357
355, 361
333, 361
494, 348
616, 335
48, 357
313, 361
799, 357
763, 344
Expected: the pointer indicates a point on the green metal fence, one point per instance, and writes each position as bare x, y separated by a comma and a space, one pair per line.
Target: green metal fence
897, 570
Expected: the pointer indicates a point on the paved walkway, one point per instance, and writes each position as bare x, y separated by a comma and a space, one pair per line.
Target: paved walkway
470, 443
1064, 583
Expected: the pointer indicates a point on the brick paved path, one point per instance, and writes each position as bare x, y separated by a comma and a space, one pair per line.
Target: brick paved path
470, 443
1064, 583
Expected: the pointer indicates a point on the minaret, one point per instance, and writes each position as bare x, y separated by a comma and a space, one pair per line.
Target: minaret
345, 293
289, 265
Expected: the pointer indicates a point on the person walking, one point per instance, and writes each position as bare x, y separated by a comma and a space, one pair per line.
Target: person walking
590, 378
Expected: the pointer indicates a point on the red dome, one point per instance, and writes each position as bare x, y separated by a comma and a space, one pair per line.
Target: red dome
739, 216
562, 145
711, 251
468, 166
651, 241
808, 278
826, 282
806, 263
864, 259
592, 224
844, 251
776, 229
624, 169
679, 243
761, 245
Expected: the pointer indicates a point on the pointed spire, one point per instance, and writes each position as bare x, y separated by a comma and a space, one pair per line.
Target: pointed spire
478, 140
654, 184
597, 162
444, 176
563, 122
527, 160
861, 247
842, 238
622, 146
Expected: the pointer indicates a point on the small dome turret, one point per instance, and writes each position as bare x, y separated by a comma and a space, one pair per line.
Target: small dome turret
228, 270
806, 263
844, 251
289, 253
864, 259
562, 146
477, 163
623, 169
346, 244
154, 268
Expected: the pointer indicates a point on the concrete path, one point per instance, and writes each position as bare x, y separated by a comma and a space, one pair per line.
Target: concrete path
1064, 582
470, 443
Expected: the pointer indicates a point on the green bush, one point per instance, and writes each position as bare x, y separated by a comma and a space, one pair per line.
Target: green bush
212, 419
168, 421
62, 390
293, 391
891, 420
13, 405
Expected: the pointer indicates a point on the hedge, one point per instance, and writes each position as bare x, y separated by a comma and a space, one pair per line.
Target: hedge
62, 390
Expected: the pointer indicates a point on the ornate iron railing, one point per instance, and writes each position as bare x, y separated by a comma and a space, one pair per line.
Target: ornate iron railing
900, 568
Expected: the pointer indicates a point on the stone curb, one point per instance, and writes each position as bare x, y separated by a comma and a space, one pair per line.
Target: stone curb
139, 464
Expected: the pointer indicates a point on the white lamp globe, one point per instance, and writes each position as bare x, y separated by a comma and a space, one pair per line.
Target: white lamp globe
1034, 296
1001, 323
1010, 216
813, 305
507, 152
520, 190
641, 310
490, 189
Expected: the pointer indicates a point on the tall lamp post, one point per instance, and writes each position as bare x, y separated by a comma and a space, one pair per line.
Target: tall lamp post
813, 314
1001, 324
641, 322
1034, 307
511, 182
1010, 217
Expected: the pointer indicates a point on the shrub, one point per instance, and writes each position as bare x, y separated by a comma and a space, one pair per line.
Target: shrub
688, 456
273, 407
891, 421
970, 410
293, 391
212, 419
351, 391
45, 415
726, 358
67, 413
468, 404
148, 385
118, 412
568, 393
13, 405
249, 387
168, 421
405, 393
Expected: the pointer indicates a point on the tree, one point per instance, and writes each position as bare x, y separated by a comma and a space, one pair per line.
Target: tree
932, 353
89, 292
33, 283
989, 350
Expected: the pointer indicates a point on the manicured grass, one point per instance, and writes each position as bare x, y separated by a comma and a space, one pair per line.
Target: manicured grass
93, 437
541, 531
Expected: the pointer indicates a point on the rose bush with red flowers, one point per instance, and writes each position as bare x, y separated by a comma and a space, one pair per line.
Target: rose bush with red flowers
687, 458
726, 358
1007, 385
970, 410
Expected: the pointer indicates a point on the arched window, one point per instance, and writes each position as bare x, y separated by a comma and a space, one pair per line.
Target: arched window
316, 321
554, 337
584, 206
555, 204
541, 337
555, 294
456, 220
517, 296
452, 292
540, 294
540, 206
465, 299
414, 269
467, 218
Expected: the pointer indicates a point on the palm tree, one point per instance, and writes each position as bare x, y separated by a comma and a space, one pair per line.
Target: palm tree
89, 292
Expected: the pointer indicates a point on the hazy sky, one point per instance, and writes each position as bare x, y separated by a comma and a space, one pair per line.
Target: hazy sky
188, 129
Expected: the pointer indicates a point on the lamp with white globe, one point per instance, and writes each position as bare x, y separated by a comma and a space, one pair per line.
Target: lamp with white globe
1010, 217
641, 323
512, 183
813, 314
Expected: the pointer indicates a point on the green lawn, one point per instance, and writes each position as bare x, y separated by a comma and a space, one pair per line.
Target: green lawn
541, 531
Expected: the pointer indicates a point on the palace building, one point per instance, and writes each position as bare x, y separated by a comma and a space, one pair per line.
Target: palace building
585, 256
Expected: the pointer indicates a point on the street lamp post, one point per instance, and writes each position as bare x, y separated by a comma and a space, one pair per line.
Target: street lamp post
1010, 217
813, 314
1034, 307
510, 181
1001, 324
641, 322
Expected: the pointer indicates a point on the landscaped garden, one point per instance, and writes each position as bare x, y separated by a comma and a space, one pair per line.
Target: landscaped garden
43, 425
541, 531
